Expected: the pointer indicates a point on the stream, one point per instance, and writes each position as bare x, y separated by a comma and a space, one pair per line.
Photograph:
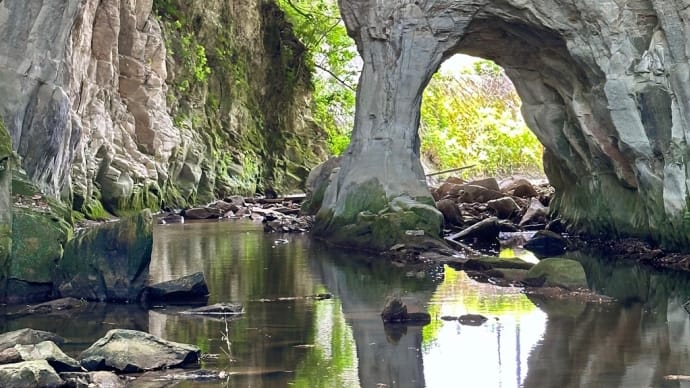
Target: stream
284, 339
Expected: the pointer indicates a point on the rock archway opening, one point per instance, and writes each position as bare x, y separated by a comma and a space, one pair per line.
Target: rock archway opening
604, 87
471, 121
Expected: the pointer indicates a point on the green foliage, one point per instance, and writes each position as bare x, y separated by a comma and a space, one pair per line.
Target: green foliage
473, 118
332, 57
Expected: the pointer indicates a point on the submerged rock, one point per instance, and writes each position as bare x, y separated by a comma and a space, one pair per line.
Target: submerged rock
29, 374
99, 379
565, 273
472, 319
218, 309
131, 351
61, 304
186, 287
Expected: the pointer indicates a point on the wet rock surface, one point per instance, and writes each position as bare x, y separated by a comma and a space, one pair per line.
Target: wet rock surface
184, 288
29, 374
48, 351
130, 351
27, 337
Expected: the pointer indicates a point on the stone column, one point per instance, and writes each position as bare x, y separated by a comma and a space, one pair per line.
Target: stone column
380, 192
6, 158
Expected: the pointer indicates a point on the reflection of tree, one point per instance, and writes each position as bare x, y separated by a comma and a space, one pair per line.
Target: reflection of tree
362, 285
633, 344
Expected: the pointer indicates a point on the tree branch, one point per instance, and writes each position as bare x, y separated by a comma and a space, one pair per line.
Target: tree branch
332, 74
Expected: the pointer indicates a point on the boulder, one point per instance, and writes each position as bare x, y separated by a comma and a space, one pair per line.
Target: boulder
186, 287
47, 350
93, 379
109, 262
27, 337
564, 273
545, 243
504, 208
202, 213
536, 213
236, 200
404, 310
29, 374
318, 180
450, 211
487, 183
472, 193
224, 206
448, 190
519, 187
131, 351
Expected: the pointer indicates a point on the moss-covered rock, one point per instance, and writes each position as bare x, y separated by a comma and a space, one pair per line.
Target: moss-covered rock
565, 273
109, 262
38, 239
6, 159
384, 223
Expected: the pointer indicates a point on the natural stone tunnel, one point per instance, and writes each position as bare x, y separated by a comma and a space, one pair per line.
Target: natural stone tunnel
604, 87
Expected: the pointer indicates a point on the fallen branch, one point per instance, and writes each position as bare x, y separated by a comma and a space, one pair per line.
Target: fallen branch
451, 170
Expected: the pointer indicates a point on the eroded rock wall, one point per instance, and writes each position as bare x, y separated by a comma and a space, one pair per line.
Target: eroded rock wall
604, 86
127, 104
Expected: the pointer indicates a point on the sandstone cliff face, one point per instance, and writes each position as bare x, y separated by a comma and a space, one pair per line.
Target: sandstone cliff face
139, 103
604, 86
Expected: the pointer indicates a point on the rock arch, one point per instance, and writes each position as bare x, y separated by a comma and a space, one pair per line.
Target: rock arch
604, 87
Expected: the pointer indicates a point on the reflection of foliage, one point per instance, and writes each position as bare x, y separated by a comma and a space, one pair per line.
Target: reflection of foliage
334, 353
474, 118
458, 295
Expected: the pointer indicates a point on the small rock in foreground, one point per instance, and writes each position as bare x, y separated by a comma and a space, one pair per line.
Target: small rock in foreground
404, 310
29, 374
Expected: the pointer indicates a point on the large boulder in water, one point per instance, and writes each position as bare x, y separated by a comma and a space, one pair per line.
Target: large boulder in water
29, 374
109, 262
131, 351
186, 287
564, 273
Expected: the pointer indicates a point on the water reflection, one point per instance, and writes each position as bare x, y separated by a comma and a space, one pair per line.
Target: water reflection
341, 342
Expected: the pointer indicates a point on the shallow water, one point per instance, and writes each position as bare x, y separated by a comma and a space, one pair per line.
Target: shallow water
341, 342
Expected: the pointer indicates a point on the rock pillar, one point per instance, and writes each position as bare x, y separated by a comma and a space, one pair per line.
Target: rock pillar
380, 194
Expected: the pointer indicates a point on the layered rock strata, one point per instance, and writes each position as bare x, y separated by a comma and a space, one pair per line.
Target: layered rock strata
604, 87
130, 104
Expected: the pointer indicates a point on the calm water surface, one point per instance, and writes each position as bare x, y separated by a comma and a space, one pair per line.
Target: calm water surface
285, 340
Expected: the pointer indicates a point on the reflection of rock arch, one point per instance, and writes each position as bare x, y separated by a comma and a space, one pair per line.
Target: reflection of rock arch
581, 69
362, 290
